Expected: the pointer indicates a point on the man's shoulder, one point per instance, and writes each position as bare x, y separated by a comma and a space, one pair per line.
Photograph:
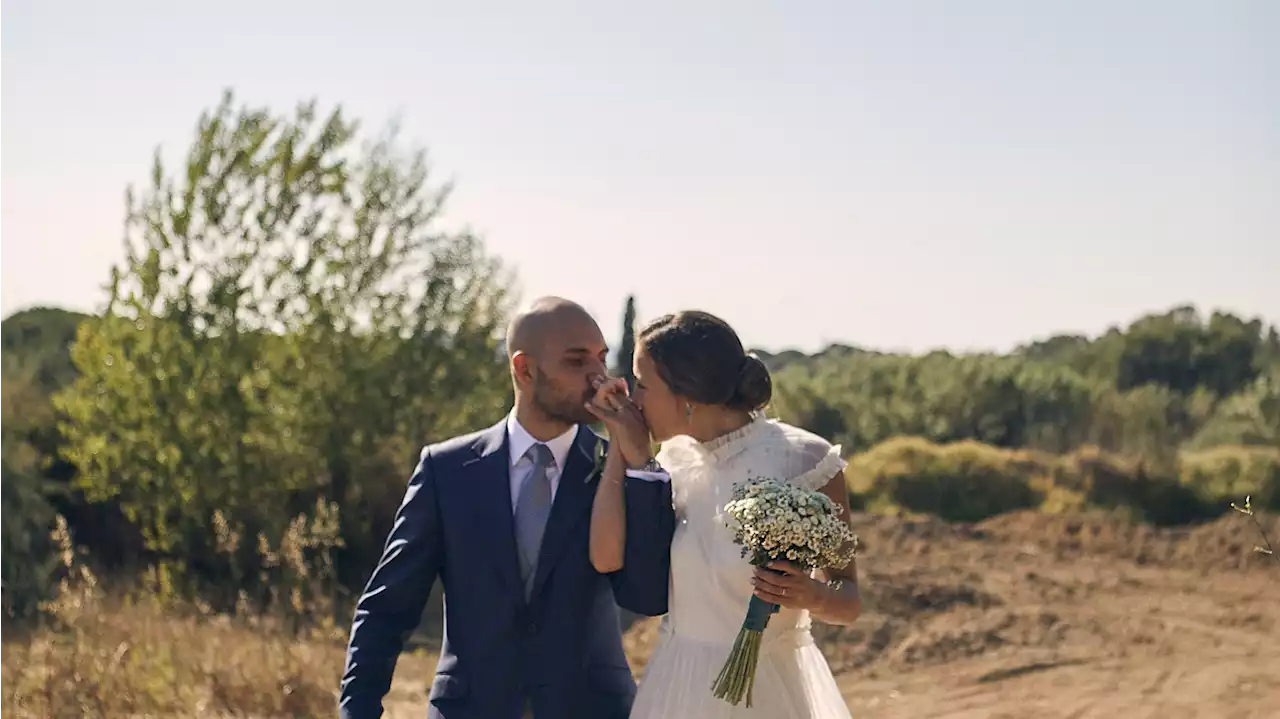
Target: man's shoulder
476, 441
470, 443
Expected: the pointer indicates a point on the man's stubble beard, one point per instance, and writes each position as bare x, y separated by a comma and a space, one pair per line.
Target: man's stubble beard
566, 411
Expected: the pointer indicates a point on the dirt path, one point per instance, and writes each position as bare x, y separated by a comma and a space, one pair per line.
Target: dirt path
1222, 687
1055, 617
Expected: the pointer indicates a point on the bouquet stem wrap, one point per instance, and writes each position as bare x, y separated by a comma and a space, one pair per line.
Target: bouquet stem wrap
738, 676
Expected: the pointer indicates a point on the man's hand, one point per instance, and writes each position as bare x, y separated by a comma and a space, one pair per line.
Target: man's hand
612, 406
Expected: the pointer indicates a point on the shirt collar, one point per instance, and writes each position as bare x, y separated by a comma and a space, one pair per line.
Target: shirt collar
521, 441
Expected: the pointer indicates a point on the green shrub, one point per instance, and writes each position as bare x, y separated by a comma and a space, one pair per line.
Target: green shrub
969, 481
964, 482
1222, 474
28, 555
1134, 486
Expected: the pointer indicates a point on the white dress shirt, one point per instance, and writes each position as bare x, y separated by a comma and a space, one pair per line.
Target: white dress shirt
519, 442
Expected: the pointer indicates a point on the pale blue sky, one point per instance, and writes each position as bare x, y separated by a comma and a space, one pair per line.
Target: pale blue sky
901, 174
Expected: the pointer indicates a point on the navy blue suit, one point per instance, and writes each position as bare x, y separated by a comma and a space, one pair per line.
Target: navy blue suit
561, 649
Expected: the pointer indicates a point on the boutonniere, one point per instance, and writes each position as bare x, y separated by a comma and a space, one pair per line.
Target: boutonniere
598, 467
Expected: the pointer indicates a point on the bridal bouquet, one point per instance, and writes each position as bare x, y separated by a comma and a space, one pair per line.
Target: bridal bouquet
774, 520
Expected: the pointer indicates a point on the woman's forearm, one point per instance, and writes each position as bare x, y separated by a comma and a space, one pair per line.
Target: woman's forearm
840, 605
608, 516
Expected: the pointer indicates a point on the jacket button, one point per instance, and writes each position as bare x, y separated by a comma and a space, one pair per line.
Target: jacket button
533, 627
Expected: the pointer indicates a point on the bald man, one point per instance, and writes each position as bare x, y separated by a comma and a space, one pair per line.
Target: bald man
501, 517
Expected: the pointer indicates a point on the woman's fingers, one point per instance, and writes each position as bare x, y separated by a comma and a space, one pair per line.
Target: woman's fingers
786, 567
601, 400
772, 596
614, 402
765, 578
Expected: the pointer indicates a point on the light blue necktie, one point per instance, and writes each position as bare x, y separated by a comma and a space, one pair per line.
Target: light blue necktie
532, 509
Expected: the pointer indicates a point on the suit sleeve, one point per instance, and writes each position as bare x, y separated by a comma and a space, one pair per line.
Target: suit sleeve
641, 585
393, 600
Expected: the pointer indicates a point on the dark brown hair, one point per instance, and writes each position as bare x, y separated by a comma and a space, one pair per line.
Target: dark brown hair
700, 358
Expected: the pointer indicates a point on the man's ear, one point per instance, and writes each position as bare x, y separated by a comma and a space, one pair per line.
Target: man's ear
522, 367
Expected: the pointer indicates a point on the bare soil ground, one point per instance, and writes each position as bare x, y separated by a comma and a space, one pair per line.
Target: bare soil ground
1059, 616
1034, 615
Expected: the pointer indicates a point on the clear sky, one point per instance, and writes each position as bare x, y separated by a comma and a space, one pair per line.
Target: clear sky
901, 174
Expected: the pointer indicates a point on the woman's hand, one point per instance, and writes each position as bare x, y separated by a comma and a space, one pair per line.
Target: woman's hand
793, 588
627, 429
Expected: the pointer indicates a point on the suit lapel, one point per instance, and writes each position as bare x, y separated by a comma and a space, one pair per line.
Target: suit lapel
571, 505
493, 488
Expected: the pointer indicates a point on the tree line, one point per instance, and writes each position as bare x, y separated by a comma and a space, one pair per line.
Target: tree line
1167, 382
293, 320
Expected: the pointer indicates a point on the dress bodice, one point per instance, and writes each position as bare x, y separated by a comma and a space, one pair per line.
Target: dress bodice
710, 579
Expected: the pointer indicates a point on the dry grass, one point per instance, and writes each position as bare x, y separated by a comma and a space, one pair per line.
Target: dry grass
93, 655
116, 660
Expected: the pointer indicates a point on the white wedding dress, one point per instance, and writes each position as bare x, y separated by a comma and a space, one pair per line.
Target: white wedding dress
711, 585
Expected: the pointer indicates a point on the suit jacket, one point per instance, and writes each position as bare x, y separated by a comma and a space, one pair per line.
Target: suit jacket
562, 649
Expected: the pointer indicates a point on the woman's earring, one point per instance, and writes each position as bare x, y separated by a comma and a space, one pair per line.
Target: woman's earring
688, 412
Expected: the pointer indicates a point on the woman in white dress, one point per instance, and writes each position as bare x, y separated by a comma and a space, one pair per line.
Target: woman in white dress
699, 394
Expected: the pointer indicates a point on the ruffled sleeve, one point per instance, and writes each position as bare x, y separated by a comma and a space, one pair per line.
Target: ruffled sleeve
831, 462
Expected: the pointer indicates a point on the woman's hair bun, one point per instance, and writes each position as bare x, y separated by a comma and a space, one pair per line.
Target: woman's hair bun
755, 386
